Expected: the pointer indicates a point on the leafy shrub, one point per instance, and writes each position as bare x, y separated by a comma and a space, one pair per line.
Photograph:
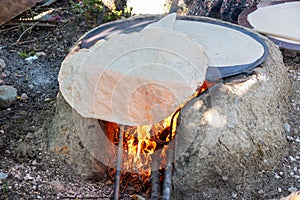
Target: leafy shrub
95, 11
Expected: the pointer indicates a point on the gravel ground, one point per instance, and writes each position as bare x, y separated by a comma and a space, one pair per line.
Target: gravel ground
29, 171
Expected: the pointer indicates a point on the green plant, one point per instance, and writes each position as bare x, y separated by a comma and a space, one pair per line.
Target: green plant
5, 187
87, 9
95, 11
24, 54
32, 13
112, 15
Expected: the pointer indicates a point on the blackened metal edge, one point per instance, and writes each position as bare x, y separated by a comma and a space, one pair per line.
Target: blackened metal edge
136, 24
242, 18
105, 31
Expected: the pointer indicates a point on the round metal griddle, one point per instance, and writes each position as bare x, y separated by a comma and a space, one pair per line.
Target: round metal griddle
136, 24
243, 21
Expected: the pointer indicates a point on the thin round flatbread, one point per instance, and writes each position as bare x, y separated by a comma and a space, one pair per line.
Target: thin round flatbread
226, 47
281, 19
134, 79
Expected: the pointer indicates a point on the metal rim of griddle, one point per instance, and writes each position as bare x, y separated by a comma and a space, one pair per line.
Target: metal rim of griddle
243, 21
136, 24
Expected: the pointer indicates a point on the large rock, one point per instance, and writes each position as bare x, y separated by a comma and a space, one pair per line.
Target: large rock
65, 142
235, 130
2, 64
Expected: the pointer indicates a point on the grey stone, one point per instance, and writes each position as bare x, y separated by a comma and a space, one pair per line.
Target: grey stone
2, 64
28, 177
8, 95
3, 175
292, 159
57, 186
23, 97
219, 137
292, 189
287, 127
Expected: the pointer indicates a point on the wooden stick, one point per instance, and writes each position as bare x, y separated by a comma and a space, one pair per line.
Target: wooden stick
119, 162
155, 184
20, 37
167, 186
46, 24
11, 28
30, 41
278, 35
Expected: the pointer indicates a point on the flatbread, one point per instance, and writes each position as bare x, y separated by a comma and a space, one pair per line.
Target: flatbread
282, 19
225, 46
134, 79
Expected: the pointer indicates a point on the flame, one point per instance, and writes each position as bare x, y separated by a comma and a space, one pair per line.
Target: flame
140, 142
206, 84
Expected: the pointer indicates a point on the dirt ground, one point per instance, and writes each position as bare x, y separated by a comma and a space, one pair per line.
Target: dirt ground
33, 173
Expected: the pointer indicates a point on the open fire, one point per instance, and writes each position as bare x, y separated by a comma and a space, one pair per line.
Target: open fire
140, 142
147, 152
